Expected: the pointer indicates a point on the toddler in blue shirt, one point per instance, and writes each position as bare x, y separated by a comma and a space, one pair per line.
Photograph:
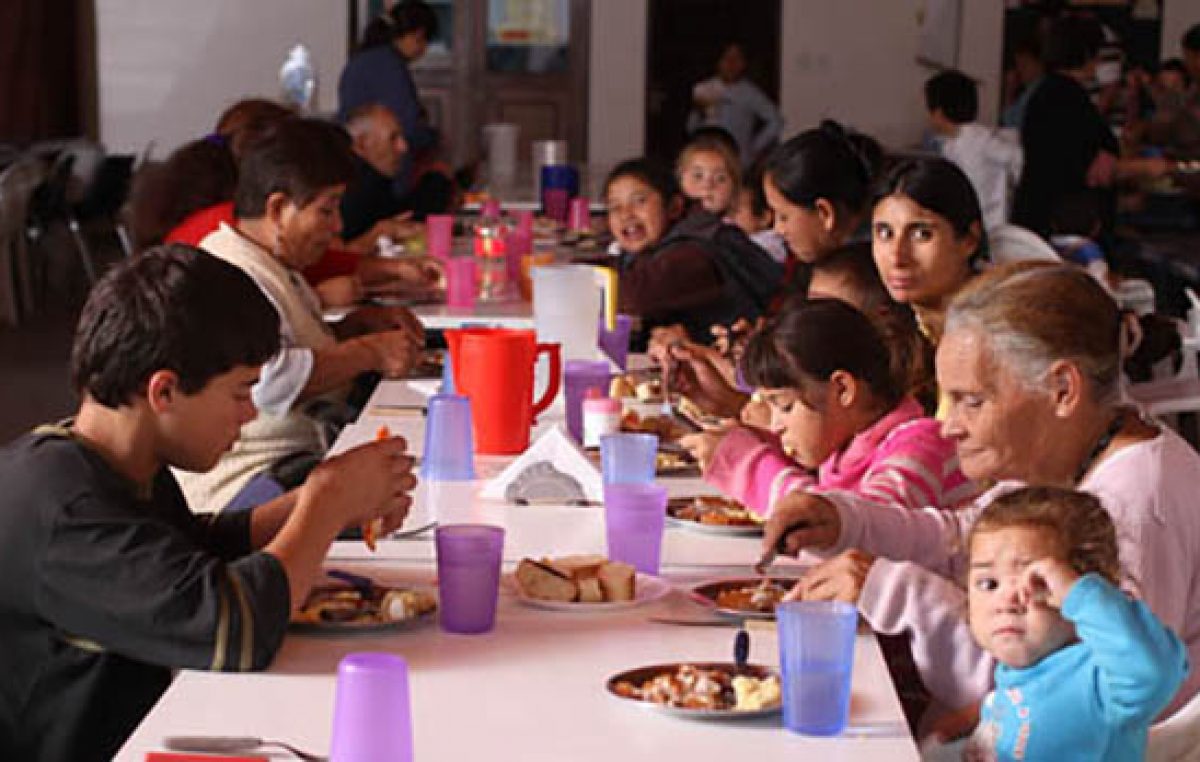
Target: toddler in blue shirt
1083, 669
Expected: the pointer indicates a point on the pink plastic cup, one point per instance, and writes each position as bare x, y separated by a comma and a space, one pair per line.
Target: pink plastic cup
439, 232
460, 282
579, 215
554, 203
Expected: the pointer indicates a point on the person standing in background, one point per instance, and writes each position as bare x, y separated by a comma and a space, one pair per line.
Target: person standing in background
731, 101
379, 73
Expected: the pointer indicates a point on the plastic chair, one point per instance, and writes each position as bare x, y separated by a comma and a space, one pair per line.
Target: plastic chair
1012, 243
1176, 394
51, 206
1177, 738
18, 182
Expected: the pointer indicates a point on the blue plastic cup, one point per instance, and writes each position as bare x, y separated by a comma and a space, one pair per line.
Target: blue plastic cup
578, 377
628, 458
634, 517
449, 454
816, 654
468, 567
372, 716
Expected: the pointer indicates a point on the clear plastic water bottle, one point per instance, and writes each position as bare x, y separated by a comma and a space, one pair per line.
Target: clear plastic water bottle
491, 254
298, 78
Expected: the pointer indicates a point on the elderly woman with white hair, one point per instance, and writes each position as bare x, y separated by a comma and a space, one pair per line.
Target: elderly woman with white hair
1030, 363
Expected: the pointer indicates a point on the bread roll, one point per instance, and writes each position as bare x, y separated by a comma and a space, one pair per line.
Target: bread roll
617, 581
578, 567
545, 583
590, 590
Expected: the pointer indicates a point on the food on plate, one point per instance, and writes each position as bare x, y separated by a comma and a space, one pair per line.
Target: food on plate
705, 688
331, 604
577, 579
762, 597
665, 427
713, 510
665, 462
621, 387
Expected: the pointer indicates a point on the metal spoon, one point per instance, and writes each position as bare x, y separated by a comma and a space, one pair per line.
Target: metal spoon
233, 744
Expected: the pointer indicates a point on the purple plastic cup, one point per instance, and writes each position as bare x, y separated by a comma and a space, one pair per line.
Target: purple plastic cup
460, 282
578, 377
634, 516
816, 654
449, 454
579, 214
439, 232
627, 458
615, 343
468, 564
372, 718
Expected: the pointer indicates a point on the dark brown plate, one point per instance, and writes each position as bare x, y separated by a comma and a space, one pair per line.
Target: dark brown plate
706, 593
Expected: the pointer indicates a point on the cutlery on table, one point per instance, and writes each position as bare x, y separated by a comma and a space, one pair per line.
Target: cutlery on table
364, 585
233, 744
696, 621
741, 650
768, 557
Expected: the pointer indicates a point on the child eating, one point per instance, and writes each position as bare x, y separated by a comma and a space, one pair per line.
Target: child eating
1083, 669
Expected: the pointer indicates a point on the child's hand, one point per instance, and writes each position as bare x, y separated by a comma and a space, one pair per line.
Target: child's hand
703, 444
1047, 580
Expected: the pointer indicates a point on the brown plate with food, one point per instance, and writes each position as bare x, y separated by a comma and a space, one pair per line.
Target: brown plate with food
714, 514
701, 690
341, 609
745, 598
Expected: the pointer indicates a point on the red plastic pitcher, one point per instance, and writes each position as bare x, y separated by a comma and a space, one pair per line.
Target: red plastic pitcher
494, 368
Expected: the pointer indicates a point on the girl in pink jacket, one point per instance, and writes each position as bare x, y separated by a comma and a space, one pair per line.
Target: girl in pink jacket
839, 419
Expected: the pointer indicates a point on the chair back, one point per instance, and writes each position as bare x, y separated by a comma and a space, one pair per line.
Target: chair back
18, 183
1011, 243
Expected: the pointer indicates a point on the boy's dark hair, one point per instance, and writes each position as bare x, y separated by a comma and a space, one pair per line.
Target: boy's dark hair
1191, 38
404, 17
954, 93
825, 163
1085, 532
1070, 42
804, 345
299, 158
173, 307
653, 173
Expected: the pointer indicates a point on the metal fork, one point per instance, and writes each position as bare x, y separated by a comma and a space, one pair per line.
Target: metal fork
233, 744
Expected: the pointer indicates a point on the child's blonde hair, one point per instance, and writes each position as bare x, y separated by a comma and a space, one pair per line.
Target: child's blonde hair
711, 142
1084, 530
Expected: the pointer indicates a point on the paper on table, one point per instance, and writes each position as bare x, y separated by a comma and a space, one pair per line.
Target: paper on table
560, 450
413, 393
365, 428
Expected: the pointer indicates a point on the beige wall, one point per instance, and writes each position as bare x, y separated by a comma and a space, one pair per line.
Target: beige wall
617, 100
872, 81
168, 67
1178, 15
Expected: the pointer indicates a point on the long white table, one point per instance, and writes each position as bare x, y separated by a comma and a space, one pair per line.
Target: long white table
532, 689
508, 314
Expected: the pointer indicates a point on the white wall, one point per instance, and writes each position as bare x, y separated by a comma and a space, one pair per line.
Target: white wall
168, 67
855, 61
617, 80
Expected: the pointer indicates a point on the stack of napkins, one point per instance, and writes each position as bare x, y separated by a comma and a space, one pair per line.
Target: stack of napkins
552, 469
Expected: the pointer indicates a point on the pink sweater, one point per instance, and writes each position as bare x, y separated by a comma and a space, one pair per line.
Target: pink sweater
1149, 489
901, 459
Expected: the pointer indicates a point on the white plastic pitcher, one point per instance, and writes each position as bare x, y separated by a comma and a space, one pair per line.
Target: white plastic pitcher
567, 299
500, 138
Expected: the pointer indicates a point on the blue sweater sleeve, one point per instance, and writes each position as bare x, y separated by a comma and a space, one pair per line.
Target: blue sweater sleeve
1140, 662
380, 75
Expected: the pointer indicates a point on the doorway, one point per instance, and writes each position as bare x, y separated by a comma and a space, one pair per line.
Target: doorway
686, 37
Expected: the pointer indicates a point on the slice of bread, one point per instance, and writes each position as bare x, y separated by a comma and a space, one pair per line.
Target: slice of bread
617, 581
578, 567
590, 590
544, 582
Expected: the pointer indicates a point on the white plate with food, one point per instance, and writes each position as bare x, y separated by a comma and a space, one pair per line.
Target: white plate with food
344, 609
713, 514
701, 690
584, 584
744, 597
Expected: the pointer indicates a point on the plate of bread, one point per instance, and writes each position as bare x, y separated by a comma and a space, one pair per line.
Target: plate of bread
714, 514
584, 583
701, 690
346, 609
